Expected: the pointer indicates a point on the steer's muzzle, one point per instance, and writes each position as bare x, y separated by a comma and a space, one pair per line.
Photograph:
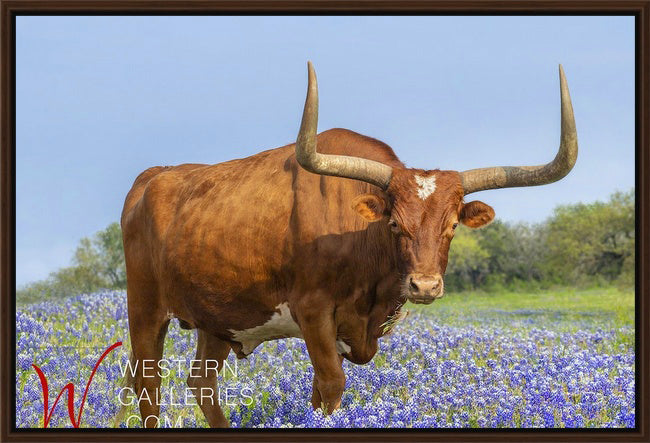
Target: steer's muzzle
422, 288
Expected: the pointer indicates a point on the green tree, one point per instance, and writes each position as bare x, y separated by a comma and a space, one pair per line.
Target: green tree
104, 255
514, 251
98, 263
585, 242
468, 261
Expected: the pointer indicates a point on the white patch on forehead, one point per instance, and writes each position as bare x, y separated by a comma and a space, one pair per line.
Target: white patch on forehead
427, 186
280, 325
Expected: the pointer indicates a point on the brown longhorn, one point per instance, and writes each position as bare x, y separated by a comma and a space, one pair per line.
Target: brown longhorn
261, 248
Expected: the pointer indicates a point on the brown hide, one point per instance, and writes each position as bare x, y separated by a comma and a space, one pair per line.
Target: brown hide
222, 245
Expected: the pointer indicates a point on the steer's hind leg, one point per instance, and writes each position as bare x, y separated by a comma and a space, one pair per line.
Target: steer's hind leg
148, 327
211, 352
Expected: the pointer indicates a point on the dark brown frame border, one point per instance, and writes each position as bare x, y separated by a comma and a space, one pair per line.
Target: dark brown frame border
10, 8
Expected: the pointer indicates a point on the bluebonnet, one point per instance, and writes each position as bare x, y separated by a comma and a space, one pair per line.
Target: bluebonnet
436, 370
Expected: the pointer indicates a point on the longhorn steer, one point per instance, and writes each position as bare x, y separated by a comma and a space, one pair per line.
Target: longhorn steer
323, 239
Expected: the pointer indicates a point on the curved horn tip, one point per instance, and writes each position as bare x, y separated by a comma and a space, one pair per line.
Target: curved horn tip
311, 75
505, 177
562, 77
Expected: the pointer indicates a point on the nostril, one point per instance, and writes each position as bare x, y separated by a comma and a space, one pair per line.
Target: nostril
413, 286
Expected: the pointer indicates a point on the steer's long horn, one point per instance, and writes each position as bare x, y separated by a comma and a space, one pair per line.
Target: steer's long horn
337, 165
512, 176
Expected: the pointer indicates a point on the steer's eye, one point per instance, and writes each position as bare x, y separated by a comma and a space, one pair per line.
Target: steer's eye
393, 225
454, 226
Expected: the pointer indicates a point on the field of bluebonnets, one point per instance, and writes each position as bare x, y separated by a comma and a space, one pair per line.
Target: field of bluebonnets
548, 359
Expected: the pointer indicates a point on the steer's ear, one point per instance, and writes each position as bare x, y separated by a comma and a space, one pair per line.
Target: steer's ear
369, 206
476, 214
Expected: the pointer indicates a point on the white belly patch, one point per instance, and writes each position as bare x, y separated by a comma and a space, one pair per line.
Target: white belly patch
342, 347
280, 325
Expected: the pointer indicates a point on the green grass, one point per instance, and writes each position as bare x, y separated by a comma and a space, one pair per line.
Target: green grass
568, 308
586, 300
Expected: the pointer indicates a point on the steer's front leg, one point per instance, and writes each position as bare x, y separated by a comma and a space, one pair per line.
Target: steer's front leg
319, 332
316, 399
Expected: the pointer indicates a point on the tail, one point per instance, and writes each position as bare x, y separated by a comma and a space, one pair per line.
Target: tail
127, 381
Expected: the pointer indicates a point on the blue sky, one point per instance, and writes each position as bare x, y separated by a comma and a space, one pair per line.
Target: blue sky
99, 99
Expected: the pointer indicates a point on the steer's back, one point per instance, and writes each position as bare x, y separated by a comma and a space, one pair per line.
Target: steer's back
197, 221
